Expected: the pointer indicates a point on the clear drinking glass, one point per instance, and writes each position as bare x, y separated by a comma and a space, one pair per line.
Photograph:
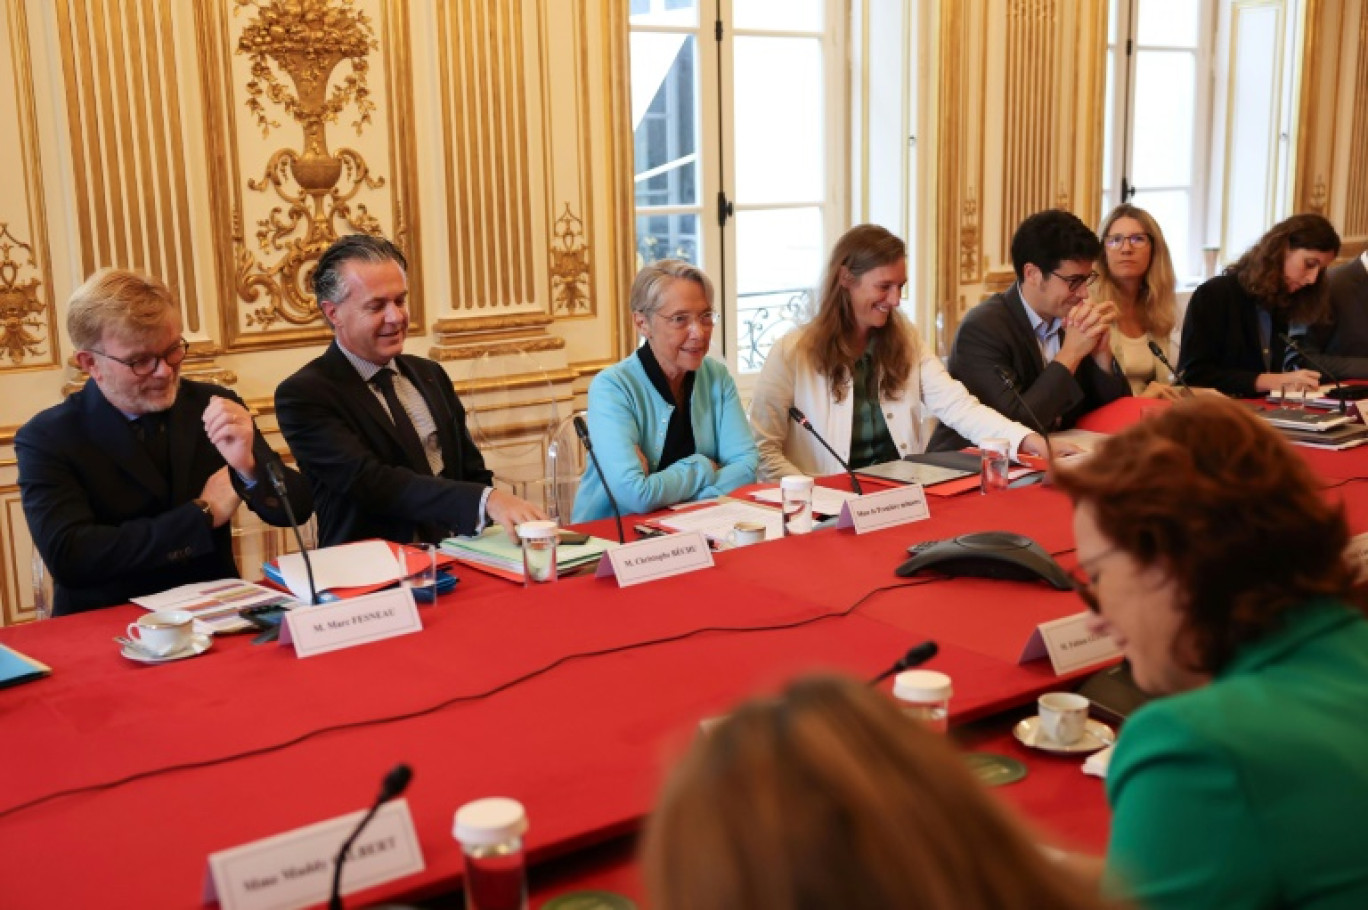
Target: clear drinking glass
421, 571
995, 464
539, 540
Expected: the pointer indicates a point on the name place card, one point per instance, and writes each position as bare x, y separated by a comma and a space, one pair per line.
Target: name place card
347, 623
295, 869
1356, 554
1069, 644
656, 557
885, 509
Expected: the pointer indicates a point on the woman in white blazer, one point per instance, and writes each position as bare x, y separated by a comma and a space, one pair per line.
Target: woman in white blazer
861, 374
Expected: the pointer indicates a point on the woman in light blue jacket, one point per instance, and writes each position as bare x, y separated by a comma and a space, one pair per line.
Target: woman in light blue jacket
666, 423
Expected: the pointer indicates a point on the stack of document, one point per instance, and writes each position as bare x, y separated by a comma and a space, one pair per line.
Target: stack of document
717, 521
494, 553
1306, 420
215, 604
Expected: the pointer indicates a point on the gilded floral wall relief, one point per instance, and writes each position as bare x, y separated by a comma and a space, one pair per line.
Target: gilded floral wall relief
25, 323
305, 41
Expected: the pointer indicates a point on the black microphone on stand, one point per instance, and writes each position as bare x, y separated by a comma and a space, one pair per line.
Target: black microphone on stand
1339, 389
1158, 353
394, 783
800, 418
582, 432
1010, 382
276, 472
915, 657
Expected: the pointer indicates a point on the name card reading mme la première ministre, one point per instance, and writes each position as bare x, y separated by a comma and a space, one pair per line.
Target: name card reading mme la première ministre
357, 621
656, 557
884, 509
295, 869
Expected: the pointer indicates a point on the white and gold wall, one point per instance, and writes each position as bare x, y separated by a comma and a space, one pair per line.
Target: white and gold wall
223, 144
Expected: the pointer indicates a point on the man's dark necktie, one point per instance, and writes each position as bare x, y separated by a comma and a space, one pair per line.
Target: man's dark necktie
408, 434
151, 432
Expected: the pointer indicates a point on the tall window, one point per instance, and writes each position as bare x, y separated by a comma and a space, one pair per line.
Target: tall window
1158, 52
735, 104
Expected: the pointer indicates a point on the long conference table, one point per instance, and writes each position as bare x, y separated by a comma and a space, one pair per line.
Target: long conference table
573, 698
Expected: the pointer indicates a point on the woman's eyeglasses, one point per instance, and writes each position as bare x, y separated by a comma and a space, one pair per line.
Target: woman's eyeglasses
1116, 241
681, 321
1084, 581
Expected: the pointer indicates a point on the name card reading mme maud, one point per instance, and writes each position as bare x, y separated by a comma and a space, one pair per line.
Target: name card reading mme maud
656, 557
295, 869
346, 623
1069, 644
884, 509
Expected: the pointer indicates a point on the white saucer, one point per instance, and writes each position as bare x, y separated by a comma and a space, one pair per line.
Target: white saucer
1096, 735
198, 645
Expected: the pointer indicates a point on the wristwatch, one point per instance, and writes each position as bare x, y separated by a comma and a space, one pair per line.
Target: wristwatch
208, 511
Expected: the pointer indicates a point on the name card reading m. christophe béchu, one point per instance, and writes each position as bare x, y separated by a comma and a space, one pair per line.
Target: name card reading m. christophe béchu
295, 869
346, 623
1070, 644
884, 509
656, 557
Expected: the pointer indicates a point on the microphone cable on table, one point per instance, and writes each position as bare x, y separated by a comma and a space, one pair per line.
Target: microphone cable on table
465, 697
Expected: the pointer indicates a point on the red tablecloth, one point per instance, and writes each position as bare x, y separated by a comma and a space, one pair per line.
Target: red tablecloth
571, 697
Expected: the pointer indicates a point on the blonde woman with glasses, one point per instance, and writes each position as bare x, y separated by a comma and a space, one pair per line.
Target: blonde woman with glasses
666, 423
1137, 275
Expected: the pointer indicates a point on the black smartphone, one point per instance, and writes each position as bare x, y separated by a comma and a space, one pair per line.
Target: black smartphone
572, 538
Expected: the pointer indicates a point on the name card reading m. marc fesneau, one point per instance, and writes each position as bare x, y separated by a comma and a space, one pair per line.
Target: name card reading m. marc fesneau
656, 557
884, 509
346, 623
295, 869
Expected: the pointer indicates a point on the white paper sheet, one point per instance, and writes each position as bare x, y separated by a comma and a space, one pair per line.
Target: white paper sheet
825, 501
348, 565
716, 522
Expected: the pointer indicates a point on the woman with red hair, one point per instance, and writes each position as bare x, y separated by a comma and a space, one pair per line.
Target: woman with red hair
1208, 552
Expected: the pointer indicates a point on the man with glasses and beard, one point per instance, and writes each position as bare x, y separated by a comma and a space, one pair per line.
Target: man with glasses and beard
129, 484
1043, 330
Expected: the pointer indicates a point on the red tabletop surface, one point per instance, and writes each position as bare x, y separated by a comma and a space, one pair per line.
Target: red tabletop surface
572, 697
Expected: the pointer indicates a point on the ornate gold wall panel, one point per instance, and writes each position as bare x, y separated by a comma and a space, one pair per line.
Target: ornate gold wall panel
489, 193
124, 119
308, 101
28, 324
1332, 122
1019, 129
1355, 223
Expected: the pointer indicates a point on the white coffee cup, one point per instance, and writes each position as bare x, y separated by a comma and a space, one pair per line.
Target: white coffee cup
164, 632
1063, 717
795, 491
745, 533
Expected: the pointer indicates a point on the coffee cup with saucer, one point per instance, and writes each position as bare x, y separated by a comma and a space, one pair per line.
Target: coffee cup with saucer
1063, 726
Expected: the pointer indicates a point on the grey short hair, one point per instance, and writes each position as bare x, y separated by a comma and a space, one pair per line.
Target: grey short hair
130, 302
328, 283
651, 282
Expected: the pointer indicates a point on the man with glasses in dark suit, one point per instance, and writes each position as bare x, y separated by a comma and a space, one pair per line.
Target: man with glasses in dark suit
1043, 330
129, 485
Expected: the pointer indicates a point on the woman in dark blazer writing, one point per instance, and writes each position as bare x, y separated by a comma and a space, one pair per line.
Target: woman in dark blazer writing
1232, 334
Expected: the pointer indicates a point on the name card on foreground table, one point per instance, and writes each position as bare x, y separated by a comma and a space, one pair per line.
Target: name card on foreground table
1069, 644
884, 509
359, 621
656, 557
295, 869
